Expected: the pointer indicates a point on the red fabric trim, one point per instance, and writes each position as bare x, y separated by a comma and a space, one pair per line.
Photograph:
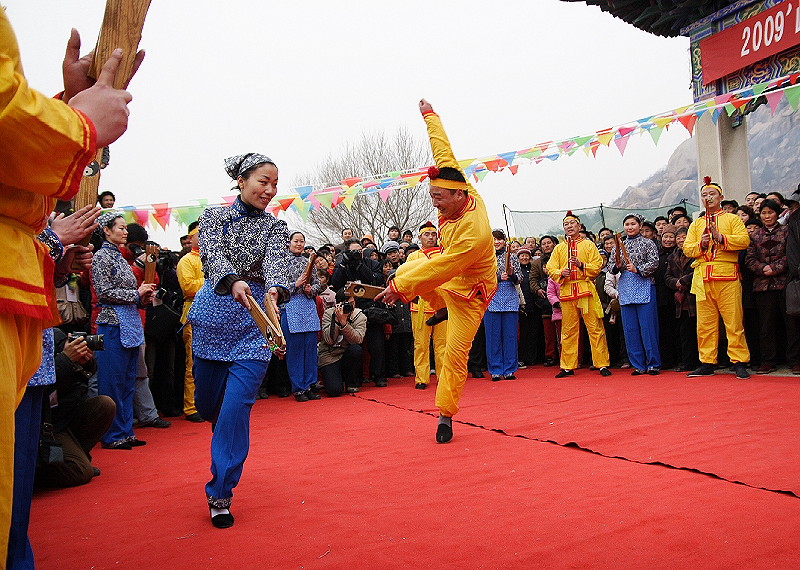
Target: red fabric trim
426, 113
72, 181
393, 287
24, 286
468, 206
428, 251
12, 307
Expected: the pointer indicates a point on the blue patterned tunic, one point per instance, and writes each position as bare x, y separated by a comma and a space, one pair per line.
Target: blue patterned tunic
301, 310
46, 374
636, 288
242, 242
117, 294
507, 297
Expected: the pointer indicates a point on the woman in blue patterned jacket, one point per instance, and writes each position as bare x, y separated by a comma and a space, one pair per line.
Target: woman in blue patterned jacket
637, 296
502, 317
119, 297
300, 322
244, 252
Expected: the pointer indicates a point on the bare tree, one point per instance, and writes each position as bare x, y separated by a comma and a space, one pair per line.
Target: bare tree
374, 154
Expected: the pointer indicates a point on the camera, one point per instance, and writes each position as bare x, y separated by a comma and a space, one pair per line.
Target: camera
93, 341
347, 307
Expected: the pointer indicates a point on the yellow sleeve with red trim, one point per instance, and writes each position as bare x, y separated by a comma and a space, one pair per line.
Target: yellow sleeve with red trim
734, 233
557, 263
440, 145
45, 144
691, 247
466, 252
590, 256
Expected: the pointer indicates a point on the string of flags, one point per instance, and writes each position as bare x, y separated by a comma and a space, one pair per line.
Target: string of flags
304, 199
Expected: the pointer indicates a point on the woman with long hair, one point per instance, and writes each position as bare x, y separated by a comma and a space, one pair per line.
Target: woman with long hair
244, 253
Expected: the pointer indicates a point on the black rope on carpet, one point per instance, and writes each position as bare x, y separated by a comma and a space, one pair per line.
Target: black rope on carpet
574, 445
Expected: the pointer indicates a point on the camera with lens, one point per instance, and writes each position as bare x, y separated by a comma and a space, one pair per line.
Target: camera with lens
347, 307
93, 341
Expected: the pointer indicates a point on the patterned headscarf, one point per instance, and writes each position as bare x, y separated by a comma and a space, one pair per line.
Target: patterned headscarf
106, 218
639, 218
240, 163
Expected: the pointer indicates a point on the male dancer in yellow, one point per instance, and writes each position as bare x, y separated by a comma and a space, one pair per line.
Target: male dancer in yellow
45, 144
191, 280
461, 279
574, 264
715, 240
421, 311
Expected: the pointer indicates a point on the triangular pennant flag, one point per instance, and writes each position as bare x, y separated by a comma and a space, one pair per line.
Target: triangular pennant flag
304, 191
689, 122
621, 143
348, 200
594, 146
527, 153
715, 115
301, 207
351, 181
494, 165
722, 99
625, 131
605, 136
414, 180
466, 163
774, 98
480, 175
587, 150
130, 215
655, 133
513, 168
326, 198
508, 156
793, 96
664, 121
759, 88
793, 78
385, 194
386, 182
730, 108
580, 141
273, 209
142, 217
337, 200
229, 199
285, 203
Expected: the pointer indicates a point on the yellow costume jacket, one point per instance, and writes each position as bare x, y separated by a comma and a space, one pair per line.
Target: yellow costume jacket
421, 304
580, 283
720, 262
466, 266
45, 145
191, 279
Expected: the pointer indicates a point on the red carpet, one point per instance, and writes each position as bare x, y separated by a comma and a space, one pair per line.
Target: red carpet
358, 482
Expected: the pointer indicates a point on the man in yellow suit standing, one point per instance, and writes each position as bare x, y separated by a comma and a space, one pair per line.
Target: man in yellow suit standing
421, 311
461, 279
191, 280
574, 265
45, 144
714, 241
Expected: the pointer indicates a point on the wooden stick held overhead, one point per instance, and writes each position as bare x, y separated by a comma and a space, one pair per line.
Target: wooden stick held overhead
122, 28
151, 252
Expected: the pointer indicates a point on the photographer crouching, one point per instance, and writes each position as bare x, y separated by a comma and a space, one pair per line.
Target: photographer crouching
340, 355
75, 420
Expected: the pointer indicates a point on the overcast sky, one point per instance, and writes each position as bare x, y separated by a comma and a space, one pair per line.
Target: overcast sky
298, 80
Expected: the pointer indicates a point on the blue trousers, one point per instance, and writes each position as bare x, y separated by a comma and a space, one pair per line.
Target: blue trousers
501, 342
28, 419
301, 357
224, 394
640, 323
116, 377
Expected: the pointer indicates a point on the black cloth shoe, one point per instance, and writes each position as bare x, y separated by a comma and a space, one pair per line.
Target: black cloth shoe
121, 444
156, 423
196, 417
438, 317
740, 370
95, 471
604, 371
134, 442
477, 374
381, 383
550, 362
444, 433
510, 377
421, 386
653, 371
496, 377
301, 396
353, 389
565, 373
703, 370
311, 395
637, 372
224, 520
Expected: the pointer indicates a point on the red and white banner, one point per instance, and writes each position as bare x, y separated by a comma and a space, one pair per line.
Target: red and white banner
764, 35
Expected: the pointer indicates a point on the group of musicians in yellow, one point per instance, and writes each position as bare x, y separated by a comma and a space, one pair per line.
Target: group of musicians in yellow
46, 144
